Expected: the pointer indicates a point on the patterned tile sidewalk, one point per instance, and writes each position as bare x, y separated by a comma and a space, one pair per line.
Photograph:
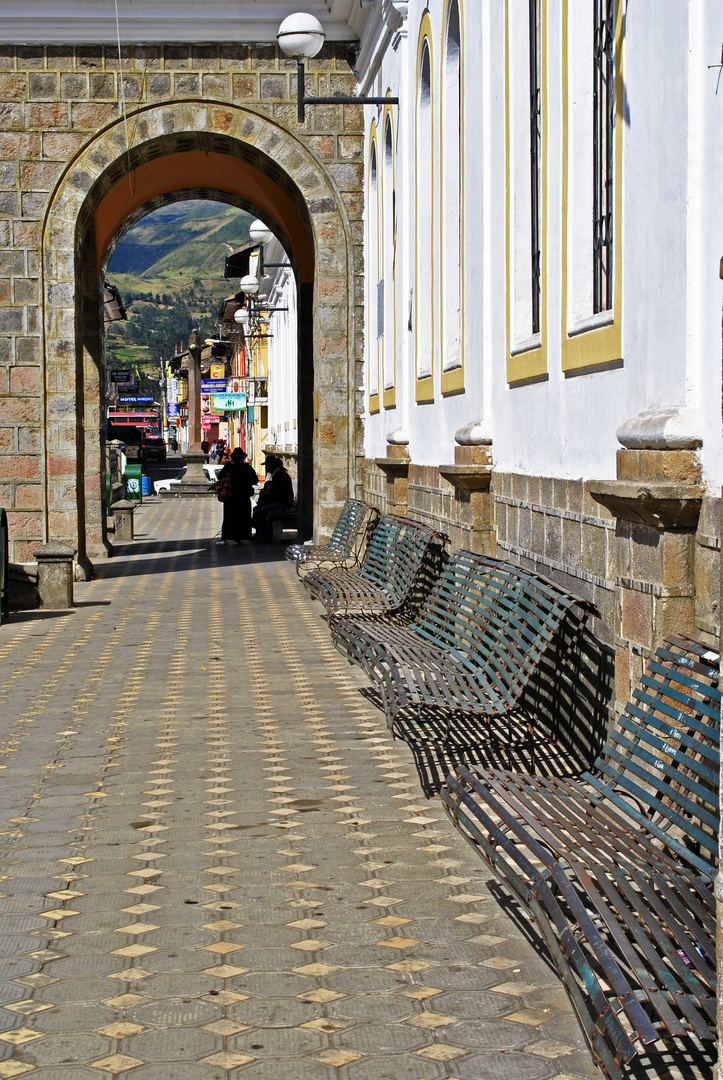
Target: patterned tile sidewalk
215, 862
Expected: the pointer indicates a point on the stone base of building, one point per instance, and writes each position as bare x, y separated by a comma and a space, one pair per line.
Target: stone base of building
646, 580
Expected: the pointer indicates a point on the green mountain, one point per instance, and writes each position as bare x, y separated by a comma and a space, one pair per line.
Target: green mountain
169, 270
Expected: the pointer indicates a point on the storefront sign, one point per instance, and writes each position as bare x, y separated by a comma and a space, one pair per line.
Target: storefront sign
172, 409
123, 376
210, 386
218, 371
229, 402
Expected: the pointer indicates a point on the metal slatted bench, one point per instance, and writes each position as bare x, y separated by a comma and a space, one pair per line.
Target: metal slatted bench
400, 561
617, 866
355, 521
472, 649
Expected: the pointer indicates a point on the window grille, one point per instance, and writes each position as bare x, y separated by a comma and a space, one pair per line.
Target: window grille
603, 132
535, 157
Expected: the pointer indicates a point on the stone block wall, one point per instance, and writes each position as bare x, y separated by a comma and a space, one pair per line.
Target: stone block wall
53, 102
707, 572
465, 516
556, 528
373, 485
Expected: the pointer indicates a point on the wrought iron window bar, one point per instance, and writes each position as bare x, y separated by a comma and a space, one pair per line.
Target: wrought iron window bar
535, 158
603, 135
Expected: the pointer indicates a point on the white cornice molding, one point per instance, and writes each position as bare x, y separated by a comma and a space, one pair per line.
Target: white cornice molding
388, 18
170, 21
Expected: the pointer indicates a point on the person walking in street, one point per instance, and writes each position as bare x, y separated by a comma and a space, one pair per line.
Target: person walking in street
276, 495
236, 482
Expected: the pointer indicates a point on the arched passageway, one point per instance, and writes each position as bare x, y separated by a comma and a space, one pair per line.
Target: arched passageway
191, 151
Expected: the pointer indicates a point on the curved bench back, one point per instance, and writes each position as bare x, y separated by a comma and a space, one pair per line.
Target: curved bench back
396, 555
498, 618
346, 530
663, 754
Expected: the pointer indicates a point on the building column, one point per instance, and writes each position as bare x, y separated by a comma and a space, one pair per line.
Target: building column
656, 500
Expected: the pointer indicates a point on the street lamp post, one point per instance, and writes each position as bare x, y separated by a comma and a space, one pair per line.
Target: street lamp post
194, 455
301, 37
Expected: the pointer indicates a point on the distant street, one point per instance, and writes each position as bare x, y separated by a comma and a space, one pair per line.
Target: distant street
173, 467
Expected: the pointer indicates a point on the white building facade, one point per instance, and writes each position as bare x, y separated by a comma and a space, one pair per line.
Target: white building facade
543, 269
543, 297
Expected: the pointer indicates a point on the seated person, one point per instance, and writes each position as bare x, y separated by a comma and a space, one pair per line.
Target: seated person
276, 495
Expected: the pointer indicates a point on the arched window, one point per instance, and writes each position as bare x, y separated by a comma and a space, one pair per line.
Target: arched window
424, 289
452, 270
388, 257
373, 277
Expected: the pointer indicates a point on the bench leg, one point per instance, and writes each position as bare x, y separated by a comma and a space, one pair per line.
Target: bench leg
277, 531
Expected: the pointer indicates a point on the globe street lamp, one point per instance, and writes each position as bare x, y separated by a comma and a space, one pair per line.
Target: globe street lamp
260, 233
301, 37
249, 284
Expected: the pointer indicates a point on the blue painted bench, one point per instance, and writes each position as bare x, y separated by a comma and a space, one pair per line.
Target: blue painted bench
400, 562
355, 523
472, 649
617, 866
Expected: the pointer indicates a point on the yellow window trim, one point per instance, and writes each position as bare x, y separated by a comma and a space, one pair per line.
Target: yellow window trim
452, 382
424, 387
424, 390
601, 345
389, 396
531, 364
373, 399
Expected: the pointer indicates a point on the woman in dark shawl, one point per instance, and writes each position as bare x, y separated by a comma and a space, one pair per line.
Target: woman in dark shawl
237, 510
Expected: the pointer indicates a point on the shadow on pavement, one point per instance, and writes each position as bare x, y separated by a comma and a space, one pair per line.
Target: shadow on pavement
37, 616
140, 546
182, 557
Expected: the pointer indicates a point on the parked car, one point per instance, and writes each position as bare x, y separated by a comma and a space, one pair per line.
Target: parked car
212, 472
153, 448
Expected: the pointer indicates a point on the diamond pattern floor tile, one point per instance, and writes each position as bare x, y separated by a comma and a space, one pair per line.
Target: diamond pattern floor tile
117, 1063
152, 768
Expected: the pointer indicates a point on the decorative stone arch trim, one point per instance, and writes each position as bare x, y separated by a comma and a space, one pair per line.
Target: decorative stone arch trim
73, 229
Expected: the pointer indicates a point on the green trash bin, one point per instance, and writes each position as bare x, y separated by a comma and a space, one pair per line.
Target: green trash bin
134, 481
4, 569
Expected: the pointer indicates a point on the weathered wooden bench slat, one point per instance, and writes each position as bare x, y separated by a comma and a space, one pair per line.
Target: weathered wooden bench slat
617, 866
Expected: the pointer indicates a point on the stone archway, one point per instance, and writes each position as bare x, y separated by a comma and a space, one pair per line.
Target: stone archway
255, 163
